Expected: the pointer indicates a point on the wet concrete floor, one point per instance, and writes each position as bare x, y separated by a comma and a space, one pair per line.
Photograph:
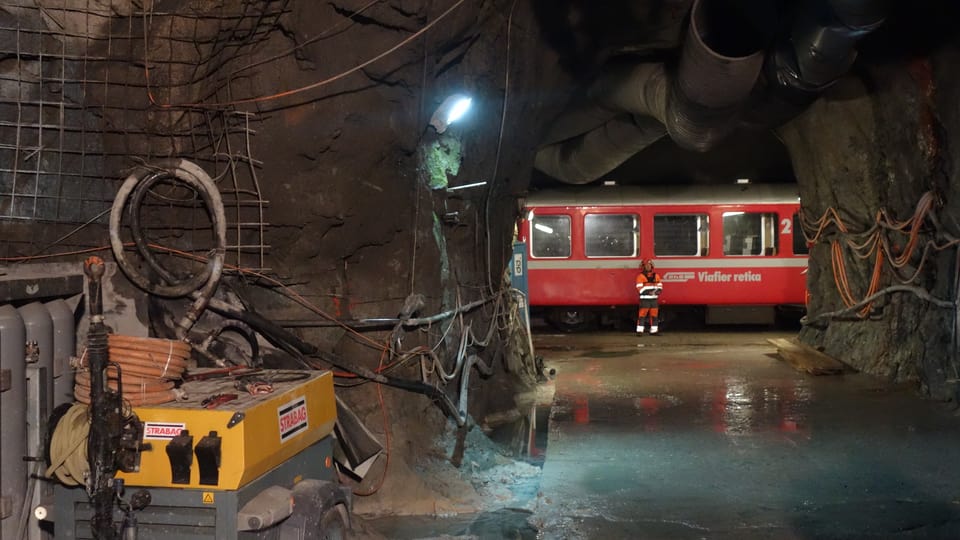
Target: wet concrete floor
707, 435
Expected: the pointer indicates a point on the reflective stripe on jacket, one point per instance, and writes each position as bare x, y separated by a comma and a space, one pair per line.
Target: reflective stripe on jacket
649, 286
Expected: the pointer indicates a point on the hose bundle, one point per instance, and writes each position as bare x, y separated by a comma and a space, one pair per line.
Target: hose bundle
148, 367
68, 446
127, 204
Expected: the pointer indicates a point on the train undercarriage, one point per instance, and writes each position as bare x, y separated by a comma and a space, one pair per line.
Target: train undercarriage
682, 317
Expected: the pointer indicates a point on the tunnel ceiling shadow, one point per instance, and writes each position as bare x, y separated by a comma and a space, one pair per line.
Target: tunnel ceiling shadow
757, 155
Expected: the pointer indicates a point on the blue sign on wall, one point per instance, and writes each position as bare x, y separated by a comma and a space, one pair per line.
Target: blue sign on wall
518, 276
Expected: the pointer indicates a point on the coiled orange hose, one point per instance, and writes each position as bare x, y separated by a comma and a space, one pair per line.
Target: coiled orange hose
149, 367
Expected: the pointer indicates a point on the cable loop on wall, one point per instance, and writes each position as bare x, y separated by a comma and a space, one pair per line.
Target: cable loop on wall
875, 242
127, 204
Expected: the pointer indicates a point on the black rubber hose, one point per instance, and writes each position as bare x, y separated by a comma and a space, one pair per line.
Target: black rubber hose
403, 384
299, 349
177, 287
241, 328
192, 175
276, 335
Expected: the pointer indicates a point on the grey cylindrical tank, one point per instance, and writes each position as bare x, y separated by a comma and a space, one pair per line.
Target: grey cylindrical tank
64, 344
13, 442
39, 328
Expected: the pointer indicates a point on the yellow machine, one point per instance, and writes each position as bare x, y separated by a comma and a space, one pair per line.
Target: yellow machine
225, 463
251, 433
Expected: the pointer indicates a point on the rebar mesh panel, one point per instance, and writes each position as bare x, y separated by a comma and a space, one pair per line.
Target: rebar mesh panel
76, 116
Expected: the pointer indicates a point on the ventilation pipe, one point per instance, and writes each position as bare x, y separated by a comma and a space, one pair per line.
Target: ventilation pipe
697, 106
709, 94
719, 65
587, 157
819, 50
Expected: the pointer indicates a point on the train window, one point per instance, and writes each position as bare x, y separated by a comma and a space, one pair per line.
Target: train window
550, 236
750, 233
610, 235
800, 246
681, 235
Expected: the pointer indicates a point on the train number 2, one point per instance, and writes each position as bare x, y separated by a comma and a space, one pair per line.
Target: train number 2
786, 226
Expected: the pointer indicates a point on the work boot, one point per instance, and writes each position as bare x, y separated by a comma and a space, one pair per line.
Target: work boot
654, 331
639, 331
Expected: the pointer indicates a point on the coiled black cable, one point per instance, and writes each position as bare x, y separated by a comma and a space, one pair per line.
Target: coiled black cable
130, 198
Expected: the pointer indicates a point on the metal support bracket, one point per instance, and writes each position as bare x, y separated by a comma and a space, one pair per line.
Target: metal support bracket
208, 459
180, 452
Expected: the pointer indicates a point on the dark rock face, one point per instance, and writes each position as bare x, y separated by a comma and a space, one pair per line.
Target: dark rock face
326, 172
879, 140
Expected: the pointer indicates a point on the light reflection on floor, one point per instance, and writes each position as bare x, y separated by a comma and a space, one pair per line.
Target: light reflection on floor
707, 435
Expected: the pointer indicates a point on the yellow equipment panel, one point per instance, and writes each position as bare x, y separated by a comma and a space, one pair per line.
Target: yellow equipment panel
257, 432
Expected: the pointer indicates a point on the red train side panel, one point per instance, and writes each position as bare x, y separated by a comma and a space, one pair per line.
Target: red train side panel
774, 275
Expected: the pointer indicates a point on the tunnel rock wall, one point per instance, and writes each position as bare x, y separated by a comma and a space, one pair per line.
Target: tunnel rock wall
320, 162
880, 140
361, 217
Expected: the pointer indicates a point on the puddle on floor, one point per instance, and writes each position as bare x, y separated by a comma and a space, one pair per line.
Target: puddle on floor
526, 438
597, 353
507, 523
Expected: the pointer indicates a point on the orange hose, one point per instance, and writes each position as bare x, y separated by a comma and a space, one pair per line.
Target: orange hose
149, 367
130, 383
876, 244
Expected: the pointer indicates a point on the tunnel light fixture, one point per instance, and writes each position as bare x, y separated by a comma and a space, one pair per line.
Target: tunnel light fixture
542, 227
451, 110
460, 108
742, 181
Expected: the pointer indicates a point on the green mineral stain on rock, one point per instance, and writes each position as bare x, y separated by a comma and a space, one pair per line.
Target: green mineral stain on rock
441, 158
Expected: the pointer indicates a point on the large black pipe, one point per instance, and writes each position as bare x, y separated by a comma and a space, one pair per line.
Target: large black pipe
697, 104
719, 64
299, 349
818, 51
709, 94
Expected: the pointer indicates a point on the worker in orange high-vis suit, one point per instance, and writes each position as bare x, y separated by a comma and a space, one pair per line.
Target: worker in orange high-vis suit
649, 288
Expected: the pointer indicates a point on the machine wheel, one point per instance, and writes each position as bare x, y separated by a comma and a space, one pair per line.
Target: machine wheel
572, 319
333, 524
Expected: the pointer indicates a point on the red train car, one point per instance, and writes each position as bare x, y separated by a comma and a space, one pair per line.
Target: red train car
735, 250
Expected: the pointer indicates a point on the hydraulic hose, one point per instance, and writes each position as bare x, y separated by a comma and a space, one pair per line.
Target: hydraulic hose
465, 381
128, 201
238, 327
403, 384
149, 366
299, 349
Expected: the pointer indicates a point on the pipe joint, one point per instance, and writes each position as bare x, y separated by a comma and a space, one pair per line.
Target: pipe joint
719, 65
